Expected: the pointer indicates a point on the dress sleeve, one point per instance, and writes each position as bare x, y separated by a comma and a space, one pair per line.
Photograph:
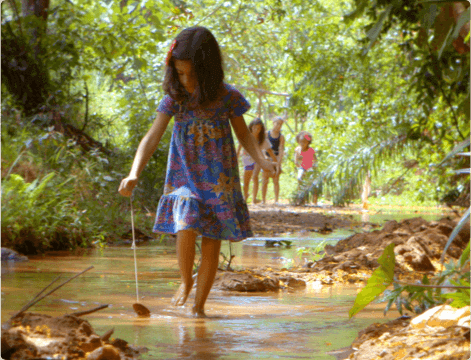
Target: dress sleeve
238, 104
168, 106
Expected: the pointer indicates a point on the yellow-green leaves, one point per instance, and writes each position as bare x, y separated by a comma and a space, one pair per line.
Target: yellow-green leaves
381, 278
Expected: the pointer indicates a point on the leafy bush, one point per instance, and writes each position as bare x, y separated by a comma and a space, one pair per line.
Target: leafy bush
428, 293
312, 253
39, 215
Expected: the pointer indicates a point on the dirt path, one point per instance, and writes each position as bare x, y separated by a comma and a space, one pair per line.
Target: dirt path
274, 220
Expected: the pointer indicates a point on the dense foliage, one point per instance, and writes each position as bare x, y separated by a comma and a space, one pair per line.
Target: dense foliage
377, 84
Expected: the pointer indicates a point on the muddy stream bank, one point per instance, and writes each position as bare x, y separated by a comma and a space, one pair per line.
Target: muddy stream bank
302, 322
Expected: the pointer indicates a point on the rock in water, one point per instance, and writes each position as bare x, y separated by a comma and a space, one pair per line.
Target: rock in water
12, 255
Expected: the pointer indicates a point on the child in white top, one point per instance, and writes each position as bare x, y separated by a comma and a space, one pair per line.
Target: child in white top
257, 129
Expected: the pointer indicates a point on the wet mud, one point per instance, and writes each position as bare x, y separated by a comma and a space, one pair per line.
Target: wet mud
37, 336
418, 247
279, 220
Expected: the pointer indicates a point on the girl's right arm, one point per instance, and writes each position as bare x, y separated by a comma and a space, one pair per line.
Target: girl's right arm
146, 148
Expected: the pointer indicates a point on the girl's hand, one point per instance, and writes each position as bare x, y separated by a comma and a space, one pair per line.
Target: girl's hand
269, 166
278, 168
127, 185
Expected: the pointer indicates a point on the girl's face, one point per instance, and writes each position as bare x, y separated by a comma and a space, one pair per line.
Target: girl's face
277, 125
256, 129
186, 75
304, 143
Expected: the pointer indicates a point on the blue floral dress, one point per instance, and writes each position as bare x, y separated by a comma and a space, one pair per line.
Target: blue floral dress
202, 187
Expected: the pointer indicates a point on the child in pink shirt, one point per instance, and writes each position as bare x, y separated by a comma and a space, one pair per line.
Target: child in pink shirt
305, 157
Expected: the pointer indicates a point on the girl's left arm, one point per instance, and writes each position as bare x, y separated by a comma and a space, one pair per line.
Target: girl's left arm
281, 151
247, 140
272, 155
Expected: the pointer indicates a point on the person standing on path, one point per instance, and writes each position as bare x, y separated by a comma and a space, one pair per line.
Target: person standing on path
202, 193
305, 159
277, 141
257, 129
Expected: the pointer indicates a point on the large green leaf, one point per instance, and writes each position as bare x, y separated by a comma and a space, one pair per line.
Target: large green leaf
458, 148
379, 281
463, 221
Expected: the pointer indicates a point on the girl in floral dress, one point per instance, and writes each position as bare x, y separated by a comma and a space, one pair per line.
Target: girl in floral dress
202, 193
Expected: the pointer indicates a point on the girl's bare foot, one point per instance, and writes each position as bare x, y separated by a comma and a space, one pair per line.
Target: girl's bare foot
182, 294
198, 313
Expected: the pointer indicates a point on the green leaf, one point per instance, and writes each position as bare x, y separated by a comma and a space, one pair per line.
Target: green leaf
446, 42
373, 33
430, 13
464, 18
464, 256
460, 299
381, 278
455, 232
458, 148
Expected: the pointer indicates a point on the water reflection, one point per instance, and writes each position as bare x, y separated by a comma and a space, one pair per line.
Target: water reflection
240, 326
197, 342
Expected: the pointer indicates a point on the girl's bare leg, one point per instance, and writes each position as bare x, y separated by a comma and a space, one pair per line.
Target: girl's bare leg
256, 171
186, 257
207, 272
247, 178
264, 187
276, 186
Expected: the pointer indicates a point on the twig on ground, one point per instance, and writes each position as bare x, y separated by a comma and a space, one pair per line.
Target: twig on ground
433, 286
31, 303
106, 336
38, 294
86, 312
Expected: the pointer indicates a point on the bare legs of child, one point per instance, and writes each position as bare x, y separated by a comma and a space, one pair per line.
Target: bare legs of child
255, 183
276, 186
247, 177
207, 272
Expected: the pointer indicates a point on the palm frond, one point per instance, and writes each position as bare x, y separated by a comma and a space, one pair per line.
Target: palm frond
343, 177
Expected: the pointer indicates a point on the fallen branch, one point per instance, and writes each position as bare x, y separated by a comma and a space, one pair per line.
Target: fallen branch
106, 336
27, 305
434, 286
86, 312
31, 303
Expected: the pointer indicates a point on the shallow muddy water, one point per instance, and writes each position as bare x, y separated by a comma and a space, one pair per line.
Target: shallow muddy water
306, 324
303, 325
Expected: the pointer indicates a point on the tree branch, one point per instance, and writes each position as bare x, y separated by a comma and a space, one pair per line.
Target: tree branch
86, 312
434, 286
31, 303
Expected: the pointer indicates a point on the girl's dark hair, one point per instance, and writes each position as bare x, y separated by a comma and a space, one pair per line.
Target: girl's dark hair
302, 135
198, 45
261, 134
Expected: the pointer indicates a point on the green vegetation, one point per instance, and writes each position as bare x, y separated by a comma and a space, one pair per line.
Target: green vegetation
377, 85
428, 293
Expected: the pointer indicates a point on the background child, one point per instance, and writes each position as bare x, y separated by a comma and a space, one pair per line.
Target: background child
202, 193
257, 129
277, 141
305, 158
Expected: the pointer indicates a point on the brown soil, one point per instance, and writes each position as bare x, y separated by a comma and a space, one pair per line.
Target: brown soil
257, 281
267, 219
397, 340
36, 336
418, 247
